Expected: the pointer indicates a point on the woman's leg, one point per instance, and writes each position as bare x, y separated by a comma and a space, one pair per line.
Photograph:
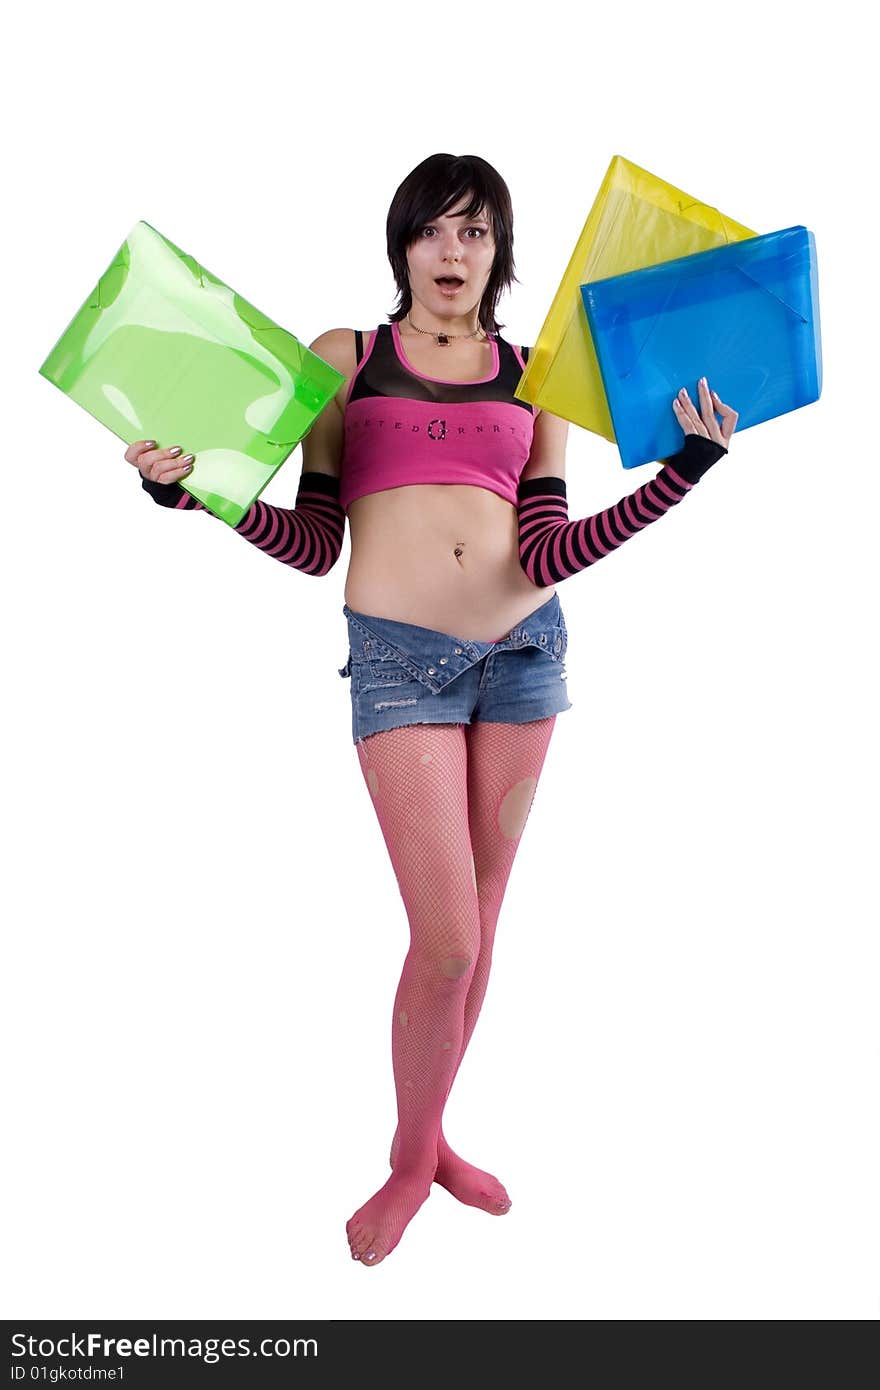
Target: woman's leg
417, 779
504, 764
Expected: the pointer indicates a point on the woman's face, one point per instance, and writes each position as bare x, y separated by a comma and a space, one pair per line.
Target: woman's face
451, 245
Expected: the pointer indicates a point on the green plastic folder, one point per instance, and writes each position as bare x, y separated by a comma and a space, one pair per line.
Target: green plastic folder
161, 349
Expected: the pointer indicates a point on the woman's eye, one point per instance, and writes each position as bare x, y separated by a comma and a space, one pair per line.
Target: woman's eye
479, 230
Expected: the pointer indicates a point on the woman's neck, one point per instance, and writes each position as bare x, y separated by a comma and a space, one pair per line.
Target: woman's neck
430, 325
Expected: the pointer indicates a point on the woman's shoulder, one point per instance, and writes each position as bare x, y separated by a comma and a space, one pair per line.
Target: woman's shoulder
517, 347
336, 346
524, 352
339, 347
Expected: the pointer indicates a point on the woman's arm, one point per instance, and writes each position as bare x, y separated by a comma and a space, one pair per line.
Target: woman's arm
308, 536
552, 548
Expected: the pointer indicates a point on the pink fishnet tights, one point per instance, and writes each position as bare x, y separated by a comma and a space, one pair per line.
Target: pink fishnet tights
452, 802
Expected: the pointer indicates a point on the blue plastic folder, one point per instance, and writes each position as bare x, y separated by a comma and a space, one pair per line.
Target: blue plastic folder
746, 316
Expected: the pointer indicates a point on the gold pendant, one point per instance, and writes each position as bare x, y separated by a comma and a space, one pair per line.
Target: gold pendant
442, 340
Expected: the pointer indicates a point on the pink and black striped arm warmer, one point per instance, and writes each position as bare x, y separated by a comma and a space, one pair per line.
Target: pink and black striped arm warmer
552, 548
308, 536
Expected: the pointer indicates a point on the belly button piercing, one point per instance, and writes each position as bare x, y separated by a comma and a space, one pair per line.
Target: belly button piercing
458, 550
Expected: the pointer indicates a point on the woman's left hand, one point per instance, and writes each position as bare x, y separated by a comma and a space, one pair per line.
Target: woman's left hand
705, 423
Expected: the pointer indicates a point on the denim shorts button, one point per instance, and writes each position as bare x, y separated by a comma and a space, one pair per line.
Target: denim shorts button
457, 651
443, 660
431, 671
543, 638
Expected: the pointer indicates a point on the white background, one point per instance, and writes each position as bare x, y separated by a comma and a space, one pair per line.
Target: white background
675, 1072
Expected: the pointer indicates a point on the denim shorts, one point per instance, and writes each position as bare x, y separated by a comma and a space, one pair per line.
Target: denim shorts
402, 674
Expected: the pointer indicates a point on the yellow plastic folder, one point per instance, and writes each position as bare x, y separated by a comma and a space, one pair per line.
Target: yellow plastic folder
161, 349
637, 220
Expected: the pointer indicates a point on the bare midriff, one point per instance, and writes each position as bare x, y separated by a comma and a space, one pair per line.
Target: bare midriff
440, 555
444, 556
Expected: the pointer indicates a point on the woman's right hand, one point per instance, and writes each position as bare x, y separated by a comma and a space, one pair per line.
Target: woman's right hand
158, 465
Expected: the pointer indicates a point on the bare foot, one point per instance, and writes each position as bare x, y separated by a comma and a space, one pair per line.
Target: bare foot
377, 1226
470, 1185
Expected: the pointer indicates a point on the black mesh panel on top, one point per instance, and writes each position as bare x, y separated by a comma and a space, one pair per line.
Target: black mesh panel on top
384, 374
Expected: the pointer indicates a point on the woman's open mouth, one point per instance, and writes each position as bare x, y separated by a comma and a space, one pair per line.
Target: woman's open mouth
449, 284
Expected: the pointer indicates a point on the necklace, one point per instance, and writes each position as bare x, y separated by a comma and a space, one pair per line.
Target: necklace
443, 338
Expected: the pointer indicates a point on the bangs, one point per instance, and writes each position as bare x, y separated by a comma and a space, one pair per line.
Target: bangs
425, 210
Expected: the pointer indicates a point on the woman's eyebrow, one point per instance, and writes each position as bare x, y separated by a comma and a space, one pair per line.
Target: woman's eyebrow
454, 218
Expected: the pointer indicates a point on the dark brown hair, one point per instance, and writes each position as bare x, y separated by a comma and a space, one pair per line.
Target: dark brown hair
429, 191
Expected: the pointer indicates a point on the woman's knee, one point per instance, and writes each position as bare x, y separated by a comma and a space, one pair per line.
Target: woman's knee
453, 958
456, 967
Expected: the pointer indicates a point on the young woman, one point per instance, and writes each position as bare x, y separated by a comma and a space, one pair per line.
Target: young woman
456, 500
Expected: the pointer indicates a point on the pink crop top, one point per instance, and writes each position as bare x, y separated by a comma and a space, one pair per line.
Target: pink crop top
401, 427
